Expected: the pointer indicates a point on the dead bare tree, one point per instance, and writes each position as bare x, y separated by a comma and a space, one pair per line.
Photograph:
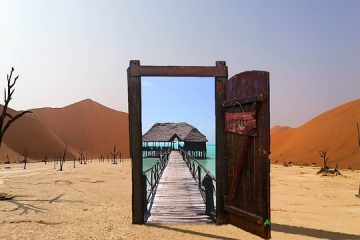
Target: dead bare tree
287, 164
63, 158
45, 158
58, 159
6, 119
326, 169
107, 155
81, 155
8, 159
324, 158
357, 124
74, 161
335, 171
114, 155
25, 155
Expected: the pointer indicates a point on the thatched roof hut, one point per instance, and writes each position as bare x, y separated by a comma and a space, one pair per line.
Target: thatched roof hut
194, 140
167, 132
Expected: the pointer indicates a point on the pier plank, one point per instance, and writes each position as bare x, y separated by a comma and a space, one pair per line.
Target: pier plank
177, 198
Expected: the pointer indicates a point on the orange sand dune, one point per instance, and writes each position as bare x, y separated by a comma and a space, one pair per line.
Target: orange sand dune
279, 129
6, 151
88, 125
28, 133
334, 131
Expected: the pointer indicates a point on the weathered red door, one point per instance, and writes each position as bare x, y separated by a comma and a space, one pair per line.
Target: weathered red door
247, 148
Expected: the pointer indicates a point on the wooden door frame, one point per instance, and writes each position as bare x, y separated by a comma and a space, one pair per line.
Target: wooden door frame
135, 71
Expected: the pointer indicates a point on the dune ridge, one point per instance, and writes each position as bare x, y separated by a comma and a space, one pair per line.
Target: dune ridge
84, 125
97, 128
88, 125
29, 134
334, 131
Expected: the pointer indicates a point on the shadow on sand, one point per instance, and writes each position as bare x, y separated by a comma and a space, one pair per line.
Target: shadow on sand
24, 207
316, 233
201, 234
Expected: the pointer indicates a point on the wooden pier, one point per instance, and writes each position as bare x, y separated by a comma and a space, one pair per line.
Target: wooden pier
177, 198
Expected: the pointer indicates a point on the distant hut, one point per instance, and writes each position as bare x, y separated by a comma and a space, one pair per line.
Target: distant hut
162, 136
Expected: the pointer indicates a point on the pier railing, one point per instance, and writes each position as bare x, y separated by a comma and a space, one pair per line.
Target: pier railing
151, 178
206, 182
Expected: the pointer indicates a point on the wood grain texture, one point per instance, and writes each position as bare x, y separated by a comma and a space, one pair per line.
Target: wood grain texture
135, 137
252, 180
179, 71
221, 164
177, 198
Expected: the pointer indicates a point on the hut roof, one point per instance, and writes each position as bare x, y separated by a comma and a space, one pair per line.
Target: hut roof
167, 132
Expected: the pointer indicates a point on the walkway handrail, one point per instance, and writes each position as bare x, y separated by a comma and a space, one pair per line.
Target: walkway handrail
151, 178
206, 182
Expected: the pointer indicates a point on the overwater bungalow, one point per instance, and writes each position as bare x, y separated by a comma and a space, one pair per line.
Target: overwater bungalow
163, 136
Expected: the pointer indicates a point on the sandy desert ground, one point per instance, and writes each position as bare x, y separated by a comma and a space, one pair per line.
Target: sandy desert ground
93, 201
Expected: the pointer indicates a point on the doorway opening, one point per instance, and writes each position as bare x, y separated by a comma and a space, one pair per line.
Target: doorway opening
135, 72
178, 116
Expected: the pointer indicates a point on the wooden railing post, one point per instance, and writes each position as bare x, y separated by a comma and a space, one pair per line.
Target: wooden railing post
206, 186
209, 195
199, 176
156, 172
144, 193
152, 176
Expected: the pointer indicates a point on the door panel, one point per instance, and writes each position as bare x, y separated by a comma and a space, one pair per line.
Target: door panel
247, 137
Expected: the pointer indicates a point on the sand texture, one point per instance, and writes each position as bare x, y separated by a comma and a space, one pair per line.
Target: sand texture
93, 201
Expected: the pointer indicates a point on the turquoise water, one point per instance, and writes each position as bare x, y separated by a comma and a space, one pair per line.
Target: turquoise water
148, 163
209, 163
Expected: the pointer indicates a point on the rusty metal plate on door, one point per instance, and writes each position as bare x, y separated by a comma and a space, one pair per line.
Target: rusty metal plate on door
243, 123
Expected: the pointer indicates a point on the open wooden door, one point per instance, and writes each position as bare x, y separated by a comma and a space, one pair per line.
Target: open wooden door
242, 143
247, 147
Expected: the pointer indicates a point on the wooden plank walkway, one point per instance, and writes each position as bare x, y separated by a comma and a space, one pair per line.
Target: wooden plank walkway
177, 198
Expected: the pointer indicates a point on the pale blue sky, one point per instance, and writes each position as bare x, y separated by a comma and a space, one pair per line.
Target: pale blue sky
190, 100
66, 51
